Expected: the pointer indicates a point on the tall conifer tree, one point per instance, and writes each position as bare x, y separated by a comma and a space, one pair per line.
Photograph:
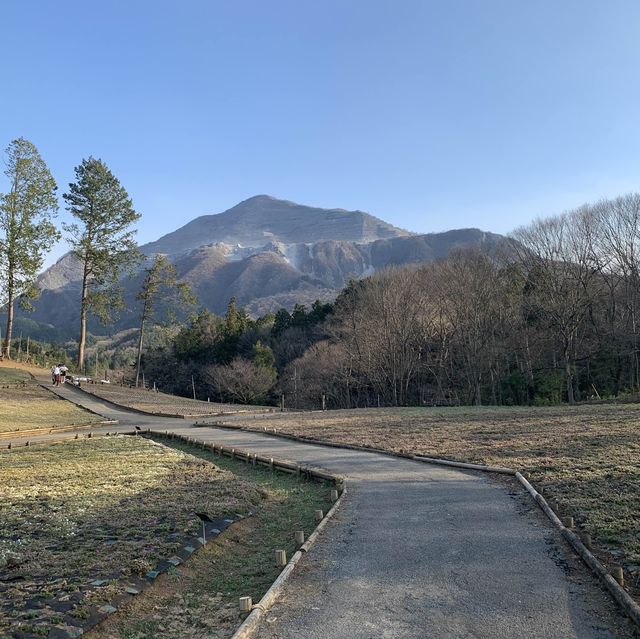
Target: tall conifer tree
26, 229
102, 240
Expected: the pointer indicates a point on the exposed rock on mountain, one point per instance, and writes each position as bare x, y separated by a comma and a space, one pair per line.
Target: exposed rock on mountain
263, 219
269, 253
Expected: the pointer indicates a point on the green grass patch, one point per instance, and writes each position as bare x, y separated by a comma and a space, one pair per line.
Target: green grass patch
200, 598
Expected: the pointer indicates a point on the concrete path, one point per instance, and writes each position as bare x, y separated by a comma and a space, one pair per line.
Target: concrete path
419, 551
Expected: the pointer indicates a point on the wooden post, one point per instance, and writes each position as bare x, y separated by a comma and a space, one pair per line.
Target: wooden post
193, 387
271, 465
334, 495
299, 537
568, 522
282, 402
246, 604
281, 558
586, 540
318, 515
618, 574
324, 402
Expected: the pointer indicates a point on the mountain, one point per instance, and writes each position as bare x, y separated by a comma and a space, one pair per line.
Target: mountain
263, 219
266, 252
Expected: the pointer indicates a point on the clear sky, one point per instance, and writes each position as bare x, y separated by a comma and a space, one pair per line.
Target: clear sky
431, 115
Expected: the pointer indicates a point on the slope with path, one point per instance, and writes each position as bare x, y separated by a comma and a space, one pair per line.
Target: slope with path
417, 551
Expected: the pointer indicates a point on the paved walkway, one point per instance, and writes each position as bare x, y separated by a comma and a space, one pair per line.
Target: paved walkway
419, 551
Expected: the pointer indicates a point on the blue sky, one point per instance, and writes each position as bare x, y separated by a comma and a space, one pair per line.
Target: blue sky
431, 115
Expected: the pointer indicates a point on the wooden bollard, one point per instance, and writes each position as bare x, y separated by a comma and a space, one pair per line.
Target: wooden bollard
28, 442
299, 537
246, 604
281, 558
618, 574
334, 495
568, 522
233, 453
254, 461
586, 540
271, 464
90, 435
318, 515
9, 446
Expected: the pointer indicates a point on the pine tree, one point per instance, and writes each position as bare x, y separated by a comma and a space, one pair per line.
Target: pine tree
102, 240
26, 230
160, 280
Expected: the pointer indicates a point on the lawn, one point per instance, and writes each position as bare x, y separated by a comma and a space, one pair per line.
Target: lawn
201, 597
586, 457
110, 509
25, 406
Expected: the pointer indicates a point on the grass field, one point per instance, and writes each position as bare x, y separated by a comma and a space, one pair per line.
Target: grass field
586, 457
200, 599
162, 403
111, 508
25, 406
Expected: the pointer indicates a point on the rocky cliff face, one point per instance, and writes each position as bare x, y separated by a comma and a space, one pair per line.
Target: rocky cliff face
269, 253
263, 219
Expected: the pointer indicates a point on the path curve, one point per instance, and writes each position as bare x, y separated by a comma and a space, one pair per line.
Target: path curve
417, 551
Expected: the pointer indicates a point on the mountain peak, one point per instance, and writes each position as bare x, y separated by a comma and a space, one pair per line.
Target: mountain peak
263, 218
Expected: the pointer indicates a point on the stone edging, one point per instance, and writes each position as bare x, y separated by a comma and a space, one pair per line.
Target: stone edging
131, 585
621, 596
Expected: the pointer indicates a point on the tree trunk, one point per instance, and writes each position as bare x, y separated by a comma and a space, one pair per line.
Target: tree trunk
139, 358
569, 377
7, 335
83, 320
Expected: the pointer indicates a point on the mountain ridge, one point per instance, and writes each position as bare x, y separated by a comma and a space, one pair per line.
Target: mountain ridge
263, 218
268, 253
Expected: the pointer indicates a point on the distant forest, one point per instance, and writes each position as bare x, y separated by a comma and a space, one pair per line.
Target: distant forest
554, 319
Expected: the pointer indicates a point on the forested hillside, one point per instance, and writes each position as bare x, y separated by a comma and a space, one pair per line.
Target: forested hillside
555, 320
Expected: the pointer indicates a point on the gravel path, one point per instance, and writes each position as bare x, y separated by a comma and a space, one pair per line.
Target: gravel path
419, 551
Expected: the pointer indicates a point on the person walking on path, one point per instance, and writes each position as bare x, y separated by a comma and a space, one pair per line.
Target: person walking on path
56, 375
63, 373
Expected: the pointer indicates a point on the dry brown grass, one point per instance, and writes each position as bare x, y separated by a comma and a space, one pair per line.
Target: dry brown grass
25, 406
158, 403
110, 508
586, 457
